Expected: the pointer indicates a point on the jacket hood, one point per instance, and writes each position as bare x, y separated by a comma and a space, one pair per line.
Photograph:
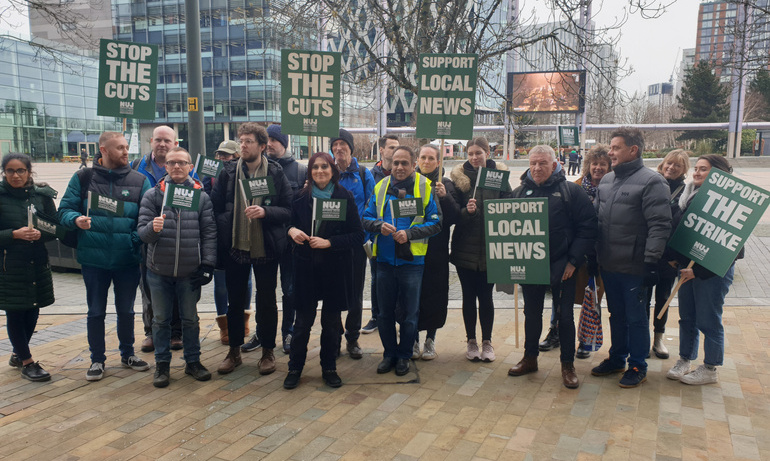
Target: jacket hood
556, 177
119, 172
463, 182
189, 182
41, 189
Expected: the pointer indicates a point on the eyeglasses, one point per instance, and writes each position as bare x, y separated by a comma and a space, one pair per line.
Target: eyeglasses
246, 141
173, 163
20, 172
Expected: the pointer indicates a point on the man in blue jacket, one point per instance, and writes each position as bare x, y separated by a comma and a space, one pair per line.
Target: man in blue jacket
360, 182
400, 245
108, 247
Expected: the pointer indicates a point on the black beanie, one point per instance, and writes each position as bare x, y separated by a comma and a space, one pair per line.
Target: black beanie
345, 136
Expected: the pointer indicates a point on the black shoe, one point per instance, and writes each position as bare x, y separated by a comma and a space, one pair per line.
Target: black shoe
354, 350
15, 362
582, 353
176, 344
632, 378
287, 344
370, 327
34, 372
254, 343
402, 366
292, 379
197, 371
607, 368
331, 378
551, 340
385, 366
161, 378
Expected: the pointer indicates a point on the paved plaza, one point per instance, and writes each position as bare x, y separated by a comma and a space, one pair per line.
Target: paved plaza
447, 408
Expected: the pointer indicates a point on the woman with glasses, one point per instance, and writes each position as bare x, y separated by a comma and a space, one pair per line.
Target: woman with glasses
25, 279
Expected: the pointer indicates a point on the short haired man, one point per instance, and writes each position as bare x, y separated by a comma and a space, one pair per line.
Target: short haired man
634, 225
183, 245
360, 182
571, 234
400, 246
387, 145
108, 247
153, 166
252, 236
296, 173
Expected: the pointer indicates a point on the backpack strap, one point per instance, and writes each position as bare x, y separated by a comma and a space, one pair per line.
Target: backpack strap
84, 176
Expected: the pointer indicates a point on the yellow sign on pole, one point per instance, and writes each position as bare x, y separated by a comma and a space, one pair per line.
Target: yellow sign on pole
192, 104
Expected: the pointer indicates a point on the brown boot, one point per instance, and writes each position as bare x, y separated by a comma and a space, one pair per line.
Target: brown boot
222, 324
246, 317
232, 360
568, 375
266, 364
525, 366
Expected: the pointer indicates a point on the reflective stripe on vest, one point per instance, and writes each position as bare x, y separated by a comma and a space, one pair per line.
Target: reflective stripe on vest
422, 184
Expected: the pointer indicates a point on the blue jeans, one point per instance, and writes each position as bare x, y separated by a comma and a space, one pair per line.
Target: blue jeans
97, 282
700, 308
398, 285
164, 290
629, 326
220, 292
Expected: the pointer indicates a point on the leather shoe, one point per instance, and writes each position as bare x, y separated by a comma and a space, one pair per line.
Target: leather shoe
161, 378
331, 378
385, 366
197, 371
292, 379
266, 364
147, 344
402, 366
568, 375
232, 360
525, 366
354, 350
176, 344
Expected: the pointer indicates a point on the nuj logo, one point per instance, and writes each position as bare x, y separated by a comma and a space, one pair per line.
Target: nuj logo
331, 205
185, 193
699, 250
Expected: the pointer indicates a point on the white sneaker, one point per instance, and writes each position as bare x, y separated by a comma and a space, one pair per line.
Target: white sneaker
416, 351
681, 368
699, 376
473, 353
429, 350
487, 351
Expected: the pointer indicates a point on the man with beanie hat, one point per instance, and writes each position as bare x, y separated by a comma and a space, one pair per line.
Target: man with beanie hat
360, 182
296, 173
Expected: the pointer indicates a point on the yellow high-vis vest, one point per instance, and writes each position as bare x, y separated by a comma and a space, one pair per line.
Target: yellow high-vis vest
422, 189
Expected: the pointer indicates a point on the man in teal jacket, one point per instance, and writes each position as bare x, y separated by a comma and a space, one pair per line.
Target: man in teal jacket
108, 246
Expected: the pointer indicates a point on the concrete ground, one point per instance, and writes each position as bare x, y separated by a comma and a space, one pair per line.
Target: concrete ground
448, 408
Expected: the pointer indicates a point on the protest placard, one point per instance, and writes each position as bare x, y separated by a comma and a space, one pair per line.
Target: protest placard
207, 166
310, 92
489, 178
719, 220
446, 88
407, 207
104, 203
185, 198
516, 235
48, 227
328, 210
127, 79
257, 187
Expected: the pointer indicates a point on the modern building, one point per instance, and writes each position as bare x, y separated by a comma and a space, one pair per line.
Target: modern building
687, 63
660, 94
48, 102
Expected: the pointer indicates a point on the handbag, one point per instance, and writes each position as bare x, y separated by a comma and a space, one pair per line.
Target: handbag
590, 324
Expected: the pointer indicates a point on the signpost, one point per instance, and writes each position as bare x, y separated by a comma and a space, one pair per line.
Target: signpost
127, 79
310, 92
447, 96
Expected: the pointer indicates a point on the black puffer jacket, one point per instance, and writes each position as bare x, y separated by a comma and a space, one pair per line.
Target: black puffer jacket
572, 225
468, 247
25, 276
188, 238
277, 210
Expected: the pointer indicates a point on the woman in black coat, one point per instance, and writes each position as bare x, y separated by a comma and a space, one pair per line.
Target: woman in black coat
25, 280
434, 296
323, 258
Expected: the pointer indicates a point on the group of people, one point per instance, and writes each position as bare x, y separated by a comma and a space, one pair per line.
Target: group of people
612, 224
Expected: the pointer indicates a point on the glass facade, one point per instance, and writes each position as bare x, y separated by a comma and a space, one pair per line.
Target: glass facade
47, 104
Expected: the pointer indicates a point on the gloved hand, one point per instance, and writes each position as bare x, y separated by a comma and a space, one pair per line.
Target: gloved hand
404, 251
592, 266
651, 276
203, 276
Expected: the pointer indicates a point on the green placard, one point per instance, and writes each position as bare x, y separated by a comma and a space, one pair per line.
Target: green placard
207, 166
569, 136
719, 220
407, 207
310, 92
329, 209
489, 178
104, 203
257, 187
128, 77
446, 85
186, 198
516, 233
48, 227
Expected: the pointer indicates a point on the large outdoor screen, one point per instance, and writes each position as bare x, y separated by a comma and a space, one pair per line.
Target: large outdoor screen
531, 92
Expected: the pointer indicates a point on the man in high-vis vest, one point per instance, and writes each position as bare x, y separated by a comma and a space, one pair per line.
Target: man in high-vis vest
400, 244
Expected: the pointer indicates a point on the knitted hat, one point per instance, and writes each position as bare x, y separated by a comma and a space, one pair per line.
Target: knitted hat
228, 147
274, 131
345, 136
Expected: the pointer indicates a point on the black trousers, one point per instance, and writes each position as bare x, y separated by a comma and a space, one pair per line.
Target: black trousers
475, 286
662, 292
265, 281
356, 309
21, 325
563, 296
303, 323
